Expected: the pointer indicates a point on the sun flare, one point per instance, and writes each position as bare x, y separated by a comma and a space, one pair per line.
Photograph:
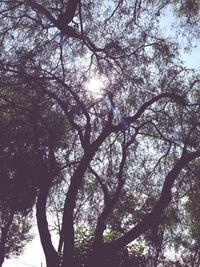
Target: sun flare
95, 87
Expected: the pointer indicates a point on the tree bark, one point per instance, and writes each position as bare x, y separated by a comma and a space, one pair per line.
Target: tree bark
52, 258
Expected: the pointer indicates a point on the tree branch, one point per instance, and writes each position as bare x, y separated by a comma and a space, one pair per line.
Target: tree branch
103, 185
159, 207
126, 121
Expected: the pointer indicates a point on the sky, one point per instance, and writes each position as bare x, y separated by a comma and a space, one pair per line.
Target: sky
33, 255
190, 59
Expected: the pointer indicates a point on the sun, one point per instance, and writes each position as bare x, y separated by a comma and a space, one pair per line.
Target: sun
95, 87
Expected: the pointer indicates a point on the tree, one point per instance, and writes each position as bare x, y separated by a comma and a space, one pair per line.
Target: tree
16, 195
18, 236
132, 141
26, 139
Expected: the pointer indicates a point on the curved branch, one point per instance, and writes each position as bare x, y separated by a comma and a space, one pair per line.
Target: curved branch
42, 10
70, 10
63, 105
63, 19
113, 12
126, 121
158, 209
70, 201
103, 185
110, 204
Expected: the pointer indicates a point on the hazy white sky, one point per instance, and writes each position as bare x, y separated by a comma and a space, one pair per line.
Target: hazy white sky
33, 255
192, 59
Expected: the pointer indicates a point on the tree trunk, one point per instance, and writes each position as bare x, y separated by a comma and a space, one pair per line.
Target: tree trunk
70, 201
2, 253
52, 258
100, 257
70, 204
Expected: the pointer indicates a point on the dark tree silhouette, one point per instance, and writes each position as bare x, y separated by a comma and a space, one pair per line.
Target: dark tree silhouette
125, 151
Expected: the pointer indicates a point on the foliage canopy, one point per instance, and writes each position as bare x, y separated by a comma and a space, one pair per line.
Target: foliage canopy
123, 161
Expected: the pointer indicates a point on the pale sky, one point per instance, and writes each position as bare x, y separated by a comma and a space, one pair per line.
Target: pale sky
192, 59
33, 255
